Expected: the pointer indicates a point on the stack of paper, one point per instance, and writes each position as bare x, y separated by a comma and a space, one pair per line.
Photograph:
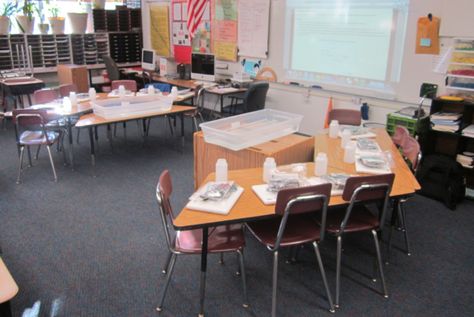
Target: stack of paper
466, 159
446, 121
469, 131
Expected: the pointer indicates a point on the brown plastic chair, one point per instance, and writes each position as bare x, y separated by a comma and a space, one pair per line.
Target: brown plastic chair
126, 83
228, 238
400, 134
411, 151
8, 290
357, 218
345, 116
65, 89
30, 130
296, 225
45, 95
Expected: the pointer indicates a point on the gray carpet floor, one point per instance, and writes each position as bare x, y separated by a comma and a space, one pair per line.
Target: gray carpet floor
94, 246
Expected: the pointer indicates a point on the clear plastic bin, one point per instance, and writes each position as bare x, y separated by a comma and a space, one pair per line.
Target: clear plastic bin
246, 130
116, 108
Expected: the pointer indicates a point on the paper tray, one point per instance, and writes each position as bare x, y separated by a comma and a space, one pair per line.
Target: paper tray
216, 207
269, 198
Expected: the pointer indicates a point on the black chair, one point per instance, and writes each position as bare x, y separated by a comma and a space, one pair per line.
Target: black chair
253, 99
112, 69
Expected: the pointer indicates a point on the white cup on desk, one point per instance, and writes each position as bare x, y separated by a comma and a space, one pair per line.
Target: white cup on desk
73, 98
92, 94
345, 137
121, 91
349, 152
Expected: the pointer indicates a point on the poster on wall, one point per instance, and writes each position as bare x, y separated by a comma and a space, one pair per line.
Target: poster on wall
180, 35
159, 29
225, 30
202, 38
427, 35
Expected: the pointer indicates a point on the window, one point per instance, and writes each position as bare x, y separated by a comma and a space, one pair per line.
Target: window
350, 45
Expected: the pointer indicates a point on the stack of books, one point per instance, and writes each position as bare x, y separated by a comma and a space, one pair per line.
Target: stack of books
446, 121
466, 159
469, 131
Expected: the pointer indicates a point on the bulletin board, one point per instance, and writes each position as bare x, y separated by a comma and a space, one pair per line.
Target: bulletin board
179, 31
253, 28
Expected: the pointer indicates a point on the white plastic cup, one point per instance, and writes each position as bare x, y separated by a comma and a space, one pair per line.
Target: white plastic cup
334, 129
349, 152
73, 98
221, 170
121, 91
151, 90
321, 164
268, 167
92, 94
345, 137
174, 92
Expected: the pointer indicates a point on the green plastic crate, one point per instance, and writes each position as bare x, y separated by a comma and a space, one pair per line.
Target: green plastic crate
394, 119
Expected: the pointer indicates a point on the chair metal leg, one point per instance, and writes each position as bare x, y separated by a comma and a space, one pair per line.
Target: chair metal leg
379, 260
389, 244
167, 282
20, 168
78, 135
221, 258
29, 156
37, 152
402, 214
244, 281
323, 276
275, 284
338, 270
171, 125
167, 263
48, 147
196, 126
115, 130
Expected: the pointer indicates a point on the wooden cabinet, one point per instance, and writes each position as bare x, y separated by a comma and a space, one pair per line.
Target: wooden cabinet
292, 148
69, 74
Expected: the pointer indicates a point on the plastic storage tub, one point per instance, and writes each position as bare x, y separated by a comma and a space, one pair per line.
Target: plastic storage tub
246, 130
117, 108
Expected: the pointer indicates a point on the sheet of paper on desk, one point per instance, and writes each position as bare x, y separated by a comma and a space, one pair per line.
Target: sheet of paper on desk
357, 132
222, 207
364, 165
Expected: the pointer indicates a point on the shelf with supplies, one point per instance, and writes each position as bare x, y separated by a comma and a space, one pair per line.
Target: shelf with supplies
50, 50
460, 75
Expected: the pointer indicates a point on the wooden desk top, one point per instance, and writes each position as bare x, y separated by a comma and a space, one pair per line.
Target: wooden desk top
185, 83
20, 81
250, 207
8, 287
93, 120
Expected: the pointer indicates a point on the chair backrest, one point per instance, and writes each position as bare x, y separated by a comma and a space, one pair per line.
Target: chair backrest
29, 117
65, 89
411, 150
367, 189
127, 83
255, 96
163, 195
302, 200
345, 116
112, 68
400, 134
45, 95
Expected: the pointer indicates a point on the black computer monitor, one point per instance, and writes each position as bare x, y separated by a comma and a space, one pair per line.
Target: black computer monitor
148, 60
202, 66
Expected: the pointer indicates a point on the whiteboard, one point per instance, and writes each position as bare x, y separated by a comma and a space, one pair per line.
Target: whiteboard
254, 18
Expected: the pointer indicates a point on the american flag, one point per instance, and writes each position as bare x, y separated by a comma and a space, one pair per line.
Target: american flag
195, 11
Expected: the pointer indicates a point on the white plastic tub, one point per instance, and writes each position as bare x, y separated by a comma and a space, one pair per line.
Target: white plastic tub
118, 108
246, 130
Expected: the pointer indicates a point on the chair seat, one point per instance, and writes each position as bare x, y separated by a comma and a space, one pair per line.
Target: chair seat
299, 229
361, 219
37, 138
8, 287
221, 239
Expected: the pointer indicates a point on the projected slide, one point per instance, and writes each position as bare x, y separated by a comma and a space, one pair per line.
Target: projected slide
352, 43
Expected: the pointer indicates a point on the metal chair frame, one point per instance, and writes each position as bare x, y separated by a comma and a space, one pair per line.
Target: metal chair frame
276, 247
173, 254
22, 146
353, 201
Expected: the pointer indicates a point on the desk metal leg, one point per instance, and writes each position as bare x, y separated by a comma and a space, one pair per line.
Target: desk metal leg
393, 222
222, 104
71, 142
202, 289
91, 138
29, 100
182, 128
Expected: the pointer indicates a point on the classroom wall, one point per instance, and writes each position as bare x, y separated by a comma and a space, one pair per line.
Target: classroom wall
416, 69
